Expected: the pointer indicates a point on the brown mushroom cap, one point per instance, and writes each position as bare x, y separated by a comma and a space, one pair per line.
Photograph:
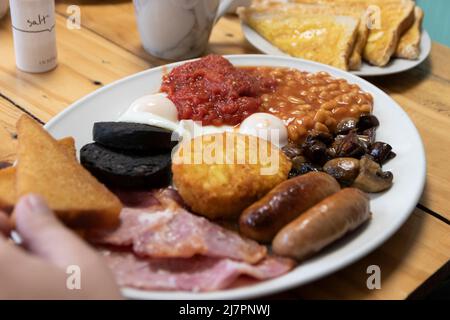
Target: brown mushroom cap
344, 170
371, 177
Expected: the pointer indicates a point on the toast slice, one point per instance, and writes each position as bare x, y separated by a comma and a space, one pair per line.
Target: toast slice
324, 38
44, 168
396, 16
8, 196
356, 12
409, 45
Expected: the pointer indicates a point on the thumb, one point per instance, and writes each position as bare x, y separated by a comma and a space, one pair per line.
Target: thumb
45, 236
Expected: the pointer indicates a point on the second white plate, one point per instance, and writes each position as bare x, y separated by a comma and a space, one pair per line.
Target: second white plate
396, 65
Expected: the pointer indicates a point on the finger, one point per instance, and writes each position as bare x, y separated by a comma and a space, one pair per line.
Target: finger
23, 276
45, 236
5, 225
19, 280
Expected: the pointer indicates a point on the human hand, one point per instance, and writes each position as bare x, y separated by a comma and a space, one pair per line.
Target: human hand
38, 270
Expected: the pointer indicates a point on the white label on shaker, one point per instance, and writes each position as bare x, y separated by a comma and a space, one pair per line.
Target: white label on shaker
33, 24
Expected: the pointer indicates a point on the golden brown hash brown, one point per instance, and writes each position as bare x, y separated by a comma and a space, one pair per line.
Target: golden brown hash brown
223, 190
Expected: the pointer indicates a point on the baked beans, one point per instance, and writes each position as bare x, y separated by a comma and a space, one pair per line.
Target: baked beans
312, 101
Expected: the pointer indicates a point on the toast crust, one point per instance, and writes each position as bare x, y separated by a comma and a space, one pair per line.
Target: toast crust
409, 45
355, 59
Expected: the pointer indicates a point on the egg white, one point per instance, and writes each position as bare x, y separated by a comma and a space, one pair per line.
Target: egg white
159, 111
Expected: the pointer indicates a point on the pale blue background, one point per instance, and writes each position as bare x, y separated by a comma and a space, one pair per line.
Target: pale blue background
437, 19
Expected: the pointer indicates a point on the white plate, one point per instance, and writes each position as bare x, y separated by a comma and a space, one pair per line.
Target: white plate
396, 65
390, 209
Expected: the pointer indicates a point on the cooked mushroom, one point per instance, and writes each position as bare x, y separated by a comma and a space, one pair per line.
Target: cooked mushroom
369, 135
315, 151
344, 170
364, 140
324, 137
303, 169
381, 152
298, 161
346, 125
371, 178
291, 150
331, 151
350, 146
367, 122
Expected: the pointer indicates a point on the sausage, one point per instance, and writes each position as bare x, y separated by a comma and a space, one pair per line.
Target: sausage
322, 224
263, 219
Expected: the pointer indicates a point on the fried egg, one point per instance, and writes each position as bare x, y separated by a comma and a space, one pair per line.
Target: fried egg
267, 127
159, 111
155, 110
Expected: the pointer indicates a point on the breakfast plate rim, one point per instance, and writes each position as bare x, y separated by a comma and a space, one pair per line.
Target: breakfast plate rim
285, 282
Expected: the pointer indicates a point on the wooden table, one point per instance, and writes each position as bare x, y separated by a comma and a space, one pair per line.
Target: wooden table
107, 48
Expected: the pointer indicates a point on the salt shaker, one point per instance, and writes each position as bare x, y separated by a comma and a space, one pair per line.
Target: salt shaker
33, 24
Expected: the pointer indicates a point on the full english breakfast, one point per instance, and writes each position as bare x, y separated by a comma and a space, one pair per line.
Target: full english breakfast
227, 172
340, 33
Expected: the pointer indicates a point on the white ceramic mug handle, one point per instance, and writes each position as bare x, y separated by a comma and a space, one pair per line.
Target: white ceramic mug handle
223, 8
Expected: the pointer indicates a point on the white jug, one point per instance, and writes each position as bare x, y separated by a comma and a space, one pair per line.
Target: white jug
177, 29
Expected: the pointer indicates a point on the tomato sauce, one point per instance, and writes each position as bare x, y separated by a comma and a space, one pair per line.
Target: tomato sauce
213, 91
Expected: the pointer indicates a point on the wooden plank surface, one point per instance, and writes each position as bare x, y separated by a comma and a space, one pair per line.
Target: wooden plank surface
8, 116
86, 61
108, 48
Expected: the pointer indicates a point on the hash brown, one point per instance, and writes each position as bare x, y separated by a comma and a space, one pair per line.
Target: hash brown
223, 190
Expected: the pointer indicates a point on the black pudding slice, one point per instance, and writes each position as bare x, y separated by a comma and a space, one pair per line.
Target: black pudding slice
125, 170
133, 136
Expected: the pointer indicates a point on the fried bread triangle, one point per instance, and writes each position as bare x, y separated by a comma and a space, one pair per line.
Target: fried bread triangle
45, 168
